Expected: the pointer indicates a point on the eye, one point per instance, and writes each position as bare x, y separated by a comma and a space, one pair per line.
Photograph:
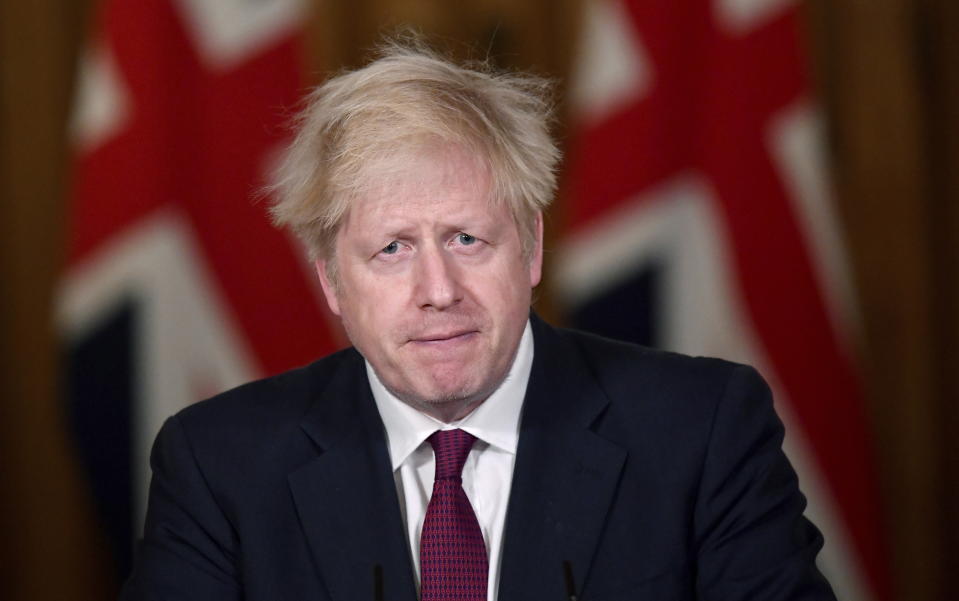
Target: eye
391, 248
466, 239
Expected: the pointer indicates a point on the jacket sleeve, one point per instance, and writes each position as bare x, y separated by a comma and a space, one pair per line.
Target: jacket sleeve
189, 548
752, 539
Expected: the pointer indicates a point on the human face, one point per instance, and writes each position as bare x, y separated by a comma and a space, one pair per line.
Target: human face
431, 283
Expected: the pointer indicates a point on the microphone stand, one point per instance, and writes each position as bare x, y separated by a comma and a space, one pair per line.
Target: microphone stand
568, 578
378, 582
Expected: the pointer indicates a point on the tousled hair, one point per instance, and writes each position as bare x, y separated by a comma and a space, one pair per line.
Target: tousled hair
407, 98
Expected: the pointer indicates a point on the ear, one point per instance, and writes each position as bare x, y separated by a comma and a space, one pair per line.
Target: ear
329, 290
536, 261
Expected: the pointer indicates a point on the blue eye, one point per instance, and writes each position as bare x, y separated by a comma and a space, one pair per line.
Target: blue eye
391, 248
466, 239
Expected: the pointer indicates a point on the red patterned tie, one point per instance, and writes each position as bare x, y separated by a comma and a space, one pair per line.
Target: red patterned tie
453, 561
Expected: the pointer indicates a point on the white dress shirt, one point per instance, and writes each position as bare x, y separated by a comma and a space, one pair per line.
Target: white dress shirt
488, 471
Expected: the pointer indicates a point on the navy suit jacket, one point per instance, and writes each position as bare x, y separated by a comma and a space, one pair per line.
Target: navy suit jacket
657, 476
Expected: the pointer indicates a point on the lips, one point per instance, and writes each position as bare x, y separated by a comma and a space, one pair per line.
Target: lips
443, 336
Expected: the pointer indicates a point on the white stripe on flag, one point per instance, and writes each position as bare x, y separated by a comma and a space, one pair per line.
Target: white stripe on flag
611, 67
739, 16
102, 107
227, 32
795, 142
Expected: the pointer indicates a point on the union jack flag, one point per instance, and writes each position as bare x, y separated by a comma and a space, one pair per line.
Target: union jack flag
700, 221
176, 285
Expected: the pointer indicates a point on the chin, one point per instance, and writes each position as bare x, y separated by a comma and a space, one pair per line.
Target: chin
446, 387
450, 408
449, 393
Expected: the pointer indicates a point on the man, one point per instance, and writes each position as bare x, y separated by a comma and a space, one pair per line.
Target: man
463, 449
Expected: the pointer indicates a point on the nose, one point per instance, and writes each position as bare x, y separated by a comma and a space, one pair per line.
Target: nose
437, 280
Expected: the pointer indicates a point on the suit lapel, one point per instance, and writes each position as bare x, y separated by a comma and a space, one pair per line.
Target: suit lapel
564, 479
346, 498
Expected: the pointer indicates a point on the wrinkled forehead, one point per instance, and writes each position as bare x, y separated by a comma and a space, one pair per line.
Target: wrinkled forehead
425, 170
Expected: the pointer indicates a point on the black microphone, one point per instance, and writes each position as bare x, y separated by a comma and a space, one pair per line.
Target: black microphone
568, 578
377, 582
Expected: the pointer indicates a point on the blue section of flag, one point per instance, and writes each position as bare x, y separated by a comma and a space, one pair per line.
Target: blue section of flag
100, 379
626, 311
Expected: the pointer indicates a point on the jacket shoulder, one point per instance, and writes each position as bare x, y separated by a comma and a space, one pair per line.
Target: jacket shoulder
263, 417
681, 394
615, 364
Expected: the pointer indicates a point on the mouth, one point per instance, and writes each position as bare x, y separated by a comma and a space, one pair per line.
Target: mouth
440, 338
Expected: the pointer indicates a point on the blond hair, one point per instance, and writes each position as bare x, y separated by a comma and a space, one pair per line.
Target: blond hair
410, 96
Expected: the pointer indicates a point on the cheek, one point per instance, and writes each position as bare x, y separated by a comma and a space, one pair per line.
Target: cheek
371, 311
507, 294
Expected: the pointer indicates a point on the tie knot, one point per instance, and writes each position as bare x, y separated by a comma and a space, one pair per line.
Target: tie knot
451, 447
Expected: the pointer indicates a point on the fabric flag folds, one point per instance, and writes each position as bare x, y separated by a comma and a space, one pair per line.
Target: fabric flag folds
699, 220
176, 285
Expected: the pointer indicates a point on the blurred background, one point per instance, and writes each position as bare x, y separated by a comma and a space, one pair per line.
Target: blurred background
770, 181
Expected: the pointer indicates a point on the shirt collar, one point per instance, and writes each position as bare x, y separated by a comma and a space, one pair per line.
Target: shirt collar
495, 421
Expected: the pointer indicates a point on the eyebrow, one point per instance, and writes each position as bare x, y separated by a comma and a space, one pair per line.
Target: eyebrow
400, 227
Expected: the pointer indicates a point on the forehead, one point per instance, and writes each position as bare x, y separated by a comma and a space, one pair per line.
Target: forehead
438, 180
